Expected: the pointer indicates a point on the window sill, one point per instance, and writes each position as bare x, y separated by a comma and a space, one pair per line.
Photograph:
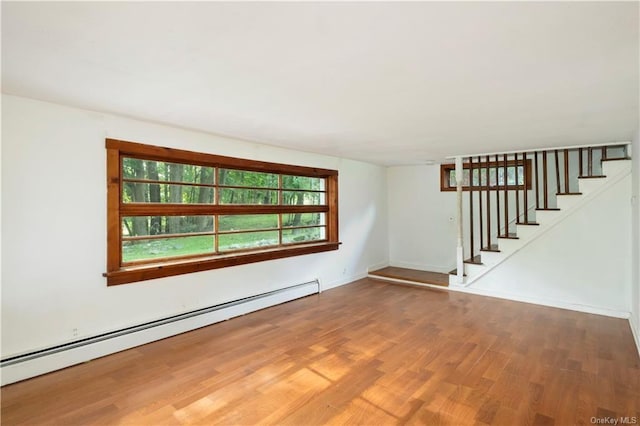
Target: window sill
130, 274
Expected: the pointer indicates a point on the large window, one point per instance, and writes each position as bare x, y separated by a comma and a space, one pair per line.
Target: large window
479, 175
173, 212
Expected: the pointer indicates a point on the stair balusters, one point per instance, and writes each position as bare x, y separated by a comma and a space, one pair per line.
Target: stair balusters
566, 171
555, 151
506, 196
537, 183
545, 187
488, 223
471, 207
480, 205
525, 181
517, 190
498, 211
488, 183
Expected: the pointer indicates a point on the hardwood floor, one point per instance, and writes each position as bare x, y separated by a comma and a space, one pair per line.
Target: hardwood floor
367, 353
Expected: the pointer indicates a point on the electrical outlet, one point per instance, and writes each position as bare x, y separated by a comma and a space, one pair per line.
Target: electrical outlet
75, 332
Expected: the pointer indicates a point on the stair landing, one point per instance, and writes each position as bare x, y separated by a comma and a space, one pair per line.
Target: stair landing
414, 275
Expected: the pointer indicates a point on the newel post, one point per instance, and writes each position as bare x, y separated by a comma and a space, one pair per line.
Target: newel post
460, 249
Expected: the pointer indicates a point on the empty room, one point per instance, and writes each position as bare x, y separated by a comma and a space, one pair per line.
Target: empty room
310, 213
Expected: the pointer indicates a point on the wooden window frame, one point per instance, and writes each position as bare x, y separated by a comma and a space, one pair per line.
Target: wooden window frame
445, 170
119, 273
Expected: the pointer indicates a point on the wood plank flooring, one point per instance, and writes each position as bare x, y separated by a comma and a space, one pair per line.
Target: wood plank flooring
415, 275
367, 353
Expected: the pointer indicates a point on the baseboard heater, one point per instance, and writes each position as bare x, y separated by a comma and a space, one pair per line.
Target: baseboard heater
43, 361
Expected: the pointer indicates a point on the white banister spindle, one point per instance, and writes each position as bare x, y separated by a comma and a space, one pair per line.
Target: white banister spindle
460, 248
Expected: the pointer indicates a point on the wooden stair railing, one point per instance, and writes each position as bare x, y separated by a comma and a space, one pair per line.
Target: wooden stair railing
530, 172
487, 183
505, 176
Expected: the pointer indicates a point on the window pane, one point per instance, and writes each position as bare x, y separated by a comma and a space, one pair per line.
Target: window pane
302, 182
163, 193
132, 168
493, 177
229, 177
166, 247
520, 175
246, 240
452, 178
511, 175
302, 198
475, 177
303, 234
302, 219
500, 176
247, 222
248, 196
483, 177
134, 226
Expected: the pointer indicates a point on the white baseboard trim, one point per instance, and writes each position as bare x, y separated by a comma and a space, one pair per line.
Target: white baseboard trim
615, 313
377, 266
18, 368
343, 281
422, 266
636, 333
518, 298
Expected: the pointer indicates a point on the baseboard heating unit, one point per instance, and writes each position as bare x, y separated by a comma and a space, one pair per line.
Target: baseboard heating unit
24, 366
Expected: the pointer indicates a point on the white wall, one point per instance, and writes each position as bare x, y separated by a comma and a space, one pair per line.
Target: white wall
422, 220
635, 219
54, 228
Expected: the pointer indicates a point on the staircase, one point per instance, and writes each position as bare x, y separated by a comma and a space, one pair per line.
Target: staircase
510, 200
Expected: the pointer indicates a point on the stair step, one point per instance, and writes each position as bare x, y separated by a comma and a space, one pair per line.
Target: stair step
417, 276
508, 245
470, 268
615, 165
473, 269
492, 257
545, 215
526, 230
616, 159
566, 200
510, 236
548, 209
528, 223
492, 248
589, 184
476, 260
592, 177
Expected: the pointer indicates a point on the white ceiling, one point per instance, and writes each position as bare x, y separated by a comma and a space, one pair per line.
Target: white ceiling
388, 83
